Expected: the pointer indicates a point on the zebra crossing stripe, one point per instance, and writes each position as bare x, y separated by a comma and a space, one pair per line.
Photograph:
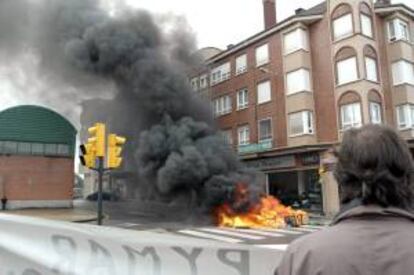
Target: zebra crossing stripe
127, 224
285, 231
301, 229
209, 236
317, 227
282, 247
232, 233
258, 232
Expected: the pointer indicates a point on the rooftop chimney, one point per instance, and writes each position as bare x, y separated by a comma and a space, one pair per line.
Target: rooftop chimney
269, 10
299, 11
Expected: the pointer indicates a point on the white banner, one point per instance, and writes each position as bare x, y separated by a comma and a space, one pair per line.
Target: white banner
31, 246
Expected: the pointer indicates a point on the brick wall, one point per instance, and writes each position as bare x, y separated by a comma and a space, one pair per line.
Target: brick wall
36, 178
275, 109
323, 81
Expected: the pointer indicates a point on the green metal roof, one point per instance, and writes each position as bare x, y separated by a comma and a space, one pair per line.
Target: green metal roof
30, 123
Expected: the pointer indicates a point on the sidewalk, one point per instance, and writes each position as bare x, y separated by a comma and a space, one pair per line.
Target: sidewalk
68, 215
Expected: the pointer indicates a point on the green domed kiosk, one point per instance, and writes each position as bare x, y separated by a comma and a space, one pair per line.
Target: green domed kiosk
37, 149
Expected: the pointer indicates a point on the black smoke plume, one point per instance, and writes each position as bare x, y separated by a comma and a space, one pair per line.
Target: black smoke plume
81, 52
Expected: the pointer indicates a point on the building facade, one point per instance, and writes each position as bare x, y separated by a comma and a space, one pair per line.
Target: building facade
284, 96
37, 148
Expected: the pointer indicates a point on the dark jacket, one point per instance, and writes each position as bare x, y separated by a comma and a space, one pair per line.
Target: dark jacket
364, 240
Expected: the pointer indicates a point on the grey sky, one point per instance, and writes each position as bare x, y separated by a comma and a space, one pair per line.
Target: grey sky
221, 22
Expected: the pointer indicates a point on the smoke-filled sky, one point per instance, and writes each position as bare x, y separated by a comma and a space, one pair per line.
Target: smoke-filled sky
215, 23
129, 68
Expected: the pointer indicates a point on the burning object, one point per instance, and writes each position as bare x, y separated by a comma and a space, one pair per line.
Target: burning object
268, 212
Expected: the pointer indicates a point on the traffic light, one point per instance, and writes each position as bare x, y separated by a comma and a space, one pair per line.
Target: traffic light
87, 157
114, 150
97, 139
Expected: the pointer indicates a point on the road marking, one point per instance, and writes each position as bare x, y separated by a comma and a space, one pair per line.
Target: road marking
128, 224
258, 232
232, 233
281, 247
318, 227
301, 229
209, 236
286, 231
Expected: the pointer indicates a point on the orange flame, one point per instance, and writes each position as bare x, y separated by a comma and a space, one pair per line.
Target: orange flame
267, 213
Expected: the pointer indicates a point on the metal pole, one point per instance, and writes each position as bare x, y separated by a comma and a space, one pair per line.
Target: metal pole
100, 178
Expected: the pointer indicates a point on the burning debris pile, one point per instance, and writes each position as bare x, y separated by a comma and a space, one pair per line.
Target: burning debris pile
79, 52
267, 213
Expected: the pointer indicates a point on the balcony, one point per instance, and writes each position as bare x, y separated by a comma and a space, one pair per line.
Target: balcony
255, 147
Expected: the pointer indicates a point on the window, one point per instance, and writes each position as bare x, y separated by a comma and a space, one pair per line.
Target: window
375, 112
351, 115
242, 99
62, 150
27, 148
241, 64
343, 26
347, 70
194, 83
264, 92
51, 149
228, 137
38, 149
402, 117
24, 148
398, 30
244, 135
222, 105
296, 40
298, 81
366, 25
262, 55
265, 130
220, 73
405, 116
301, 123
402, 72
371, 69
203, 81
10, 147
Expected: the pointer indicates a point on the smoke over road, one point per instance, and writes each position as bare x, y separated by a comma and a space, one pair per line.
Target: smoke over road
78, 52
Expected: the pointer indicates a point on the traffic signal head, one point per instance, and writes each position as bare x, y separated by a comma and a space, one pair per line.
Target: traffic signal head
97, 138
87, 155
114, 150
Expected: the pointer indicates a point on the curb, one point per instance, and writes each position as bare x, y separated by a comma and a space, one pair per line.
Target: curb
95, 218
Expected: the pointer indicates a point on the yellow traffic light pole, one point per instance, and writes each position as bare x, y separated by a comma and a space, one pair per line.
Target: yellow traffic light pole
98, 141
95, 150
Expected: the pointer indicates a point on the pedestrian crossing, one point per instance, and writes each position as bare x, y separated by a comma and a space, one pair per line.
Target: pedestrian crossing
195, 233
277, 239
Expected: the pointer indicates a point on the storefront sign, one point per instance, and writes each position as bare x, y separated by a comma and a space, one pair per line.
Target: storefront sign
272, 163
310, 159
255, 148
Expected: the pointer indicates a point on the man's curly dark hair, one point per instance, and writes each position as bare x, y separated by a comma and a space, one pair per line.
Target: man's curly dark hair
375, 165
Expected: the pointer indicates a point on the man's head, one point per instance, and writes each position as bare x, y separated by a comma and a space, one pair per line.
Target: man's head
375, 165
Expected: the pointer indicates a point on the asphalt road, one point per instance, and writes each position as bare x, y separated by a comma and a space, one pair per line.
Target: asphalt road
176, 220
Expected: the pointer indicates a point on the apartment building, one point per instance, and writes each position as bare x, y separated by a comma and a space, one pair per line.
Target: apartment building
284, 96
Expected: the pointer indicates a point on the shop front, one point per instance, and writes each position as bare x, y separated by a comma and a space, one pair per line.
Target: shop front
295, 179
